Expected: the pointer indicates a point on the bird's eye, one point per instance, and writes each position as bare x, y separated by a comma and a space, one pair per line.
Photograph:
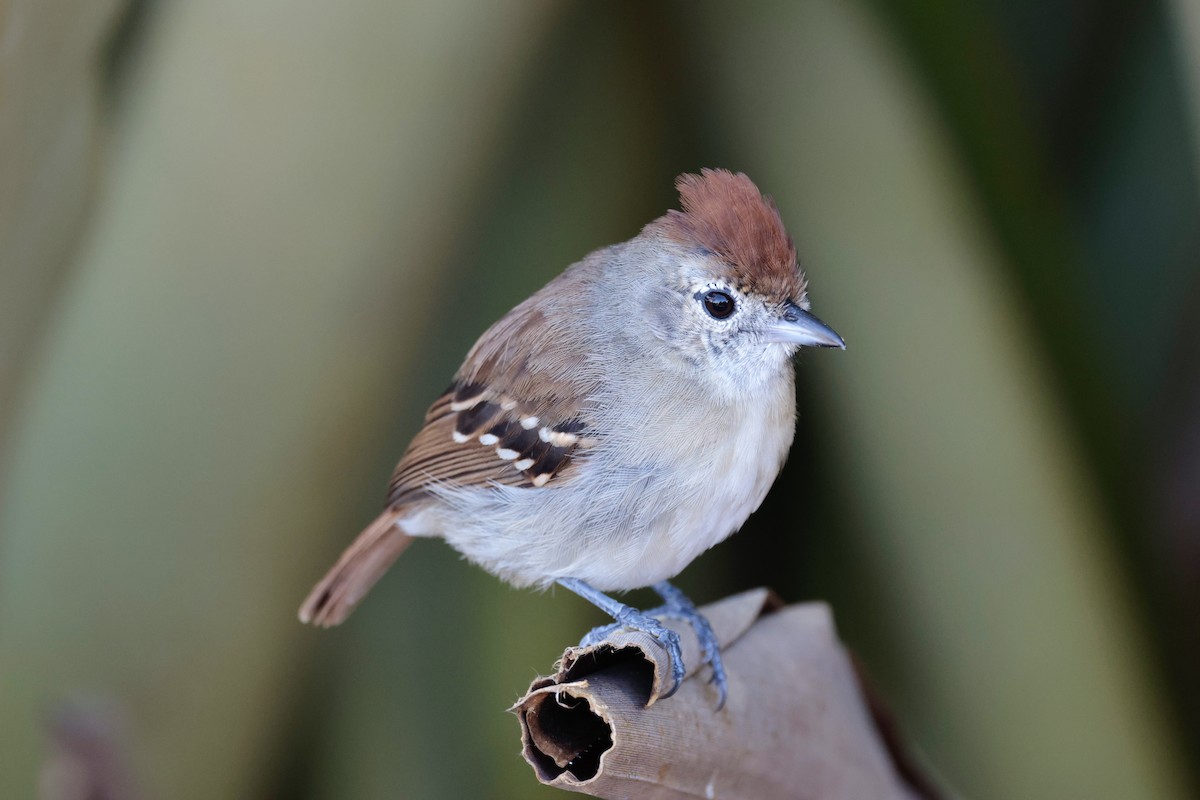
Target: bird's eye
718, 304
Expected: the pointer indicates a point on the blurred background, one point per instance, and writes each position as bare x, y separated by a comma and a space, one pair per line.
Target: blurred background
243, 244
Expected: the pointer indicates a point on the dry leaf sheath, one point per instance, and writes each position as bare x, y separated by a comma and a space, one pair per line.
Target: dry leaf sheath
801, 726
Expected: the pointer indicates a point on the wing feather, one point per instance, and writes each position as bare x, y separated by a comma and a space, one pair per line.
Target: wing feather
507, 419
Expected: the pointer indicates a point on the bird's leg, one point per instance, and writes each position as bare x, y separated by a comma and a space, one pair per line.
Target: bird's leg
629, 618
679, 606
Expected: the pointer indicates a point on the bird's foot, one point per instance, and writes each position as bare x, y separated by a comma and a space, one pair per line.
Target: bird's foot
678, 606
630, 619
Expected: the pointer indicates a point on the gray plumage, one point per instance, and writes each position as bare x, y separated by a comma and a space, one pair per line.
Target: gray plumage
612, 427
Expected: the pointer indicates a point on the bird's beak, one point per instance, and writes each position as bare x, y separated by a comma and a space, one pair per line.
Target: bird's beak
797, 326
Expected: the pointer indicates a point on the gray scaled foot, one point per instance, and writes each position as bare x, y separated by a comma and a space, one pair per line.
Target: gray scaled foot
678, 606
629, 618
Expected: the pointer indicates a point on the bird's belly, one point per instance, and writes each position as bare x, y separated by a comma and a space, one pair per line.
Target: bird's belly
626, 525
662, 550
712, 504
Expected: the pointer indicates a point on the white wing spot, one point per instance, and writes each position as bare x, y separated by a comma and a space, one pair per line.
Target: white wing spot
461, 438
540, 480
488, 439
463, 405
557, 438
506, 454
523, 464
529, 422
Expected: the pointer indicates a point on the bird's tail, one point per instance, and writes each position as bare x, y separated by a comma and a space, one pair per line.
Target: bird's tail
363, 563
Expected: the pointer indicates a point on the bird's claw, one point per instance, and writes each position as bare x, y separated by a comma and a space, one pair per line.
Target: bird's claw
678, 607
598, 634
631, 619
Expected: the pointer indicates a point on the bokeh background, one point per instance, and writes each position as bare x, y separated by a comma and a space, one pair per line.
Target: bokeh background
244, 243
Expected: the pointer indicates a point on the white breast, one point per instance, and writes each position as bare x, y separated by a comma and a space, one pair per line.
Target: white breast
723, 488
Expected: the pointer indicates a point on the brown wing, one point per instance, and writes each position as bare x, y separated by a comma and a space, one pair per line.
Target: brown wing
508, 419
516, 415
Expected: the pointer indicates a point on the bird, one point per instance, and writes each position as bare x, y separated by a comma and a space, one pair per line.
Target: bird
619, 422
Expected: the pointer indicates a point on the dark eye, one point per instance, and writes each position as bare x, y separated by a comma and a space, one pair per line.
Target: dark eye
718, 304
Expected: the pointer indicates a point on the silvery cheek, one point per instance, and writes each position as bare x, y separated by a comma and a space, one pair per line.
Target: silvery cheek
663, 314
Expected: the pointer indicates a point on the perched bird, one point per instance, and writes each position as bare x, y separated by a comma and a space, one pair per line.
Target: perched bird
621, 421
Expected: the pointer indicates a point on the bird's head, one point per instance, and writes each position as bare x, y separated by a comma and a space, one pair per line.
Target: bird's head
734, 301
